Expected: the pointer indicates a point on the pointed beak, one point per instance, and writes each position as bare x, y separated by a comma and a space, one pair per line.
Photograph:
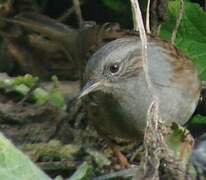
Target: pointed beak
91, 86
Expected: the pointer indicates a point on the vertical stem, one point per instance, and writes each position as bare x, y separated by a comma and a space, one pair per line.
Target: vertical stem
148, 18
78, 11
135, 25
139, 25
153, 110
179, 18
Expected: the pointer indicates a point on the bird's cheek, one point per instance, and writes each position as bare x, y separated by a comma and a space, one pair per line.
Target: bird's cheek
107, 87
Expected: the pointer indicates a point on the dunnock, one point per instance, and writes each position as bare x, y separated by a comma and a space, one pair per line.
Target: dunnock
118, 93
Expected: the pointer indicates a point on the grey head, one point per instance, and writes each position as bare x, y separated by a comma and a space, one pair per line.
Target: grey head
113, 63
121, 60
111, 76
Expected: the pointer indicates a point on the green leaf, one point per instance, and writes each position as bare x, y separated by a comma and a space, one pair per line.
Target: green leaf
84, 172
175, 138
180, 142
100, 159
55, 96
198, 120
21, 89
22, 85
28, 80
191, 35
40, 96
14, 165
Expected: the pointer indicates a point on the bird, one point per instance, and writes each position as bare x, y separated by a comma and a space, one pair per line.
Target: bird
117, 95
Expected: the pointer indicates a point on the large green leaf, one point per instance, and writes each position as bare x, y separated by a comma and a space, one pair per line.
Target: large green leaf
84, 172
14, 165
191, 35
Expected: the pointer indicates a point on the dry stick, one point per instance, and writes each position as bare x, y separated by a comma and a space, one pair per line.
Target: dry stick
155, 146
153, 110
148, 18
29, 94
139, 25
136, 27
68, 12
178, 21
78, 11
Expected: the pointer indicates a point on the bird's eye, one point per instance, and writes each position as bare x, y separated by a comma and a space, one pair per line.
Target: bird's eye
114, 68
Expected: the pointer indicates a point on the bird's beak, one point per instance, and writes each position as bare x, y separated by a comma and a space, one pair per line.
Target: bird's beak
91, 86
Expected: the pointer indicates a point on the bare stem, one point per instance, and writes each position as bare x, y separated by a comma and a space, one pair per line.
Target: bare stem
178, 21
148, 18
68, 12
139, 25
152, 135
78, 11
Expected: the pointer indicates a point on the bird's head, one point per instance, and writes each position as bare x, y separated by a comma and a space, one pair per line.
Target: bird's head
112, 64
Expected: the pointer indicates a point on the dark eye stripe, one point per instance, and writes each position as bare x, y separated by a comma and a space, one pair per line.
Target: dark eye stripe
132, 69
128, 67
132, 64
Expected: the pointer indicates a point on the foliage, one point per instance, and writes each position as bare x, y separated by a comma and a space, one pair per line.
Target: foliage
23, 84
191, 38
198, 120
16, 166
197, 124
180, 142
99, 158
84, 172
191, 35
54, 150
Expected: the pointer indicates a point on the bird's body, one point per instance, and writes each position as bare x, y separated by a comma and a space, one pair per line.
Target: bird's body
118, 93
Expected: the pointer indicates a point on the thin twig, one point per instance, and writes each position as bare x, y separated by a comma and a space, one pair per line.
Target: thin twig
135, 21
139, 25
148, 18
178, 21
68, 12
31, 90
78, 11
153, 110
156, 149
